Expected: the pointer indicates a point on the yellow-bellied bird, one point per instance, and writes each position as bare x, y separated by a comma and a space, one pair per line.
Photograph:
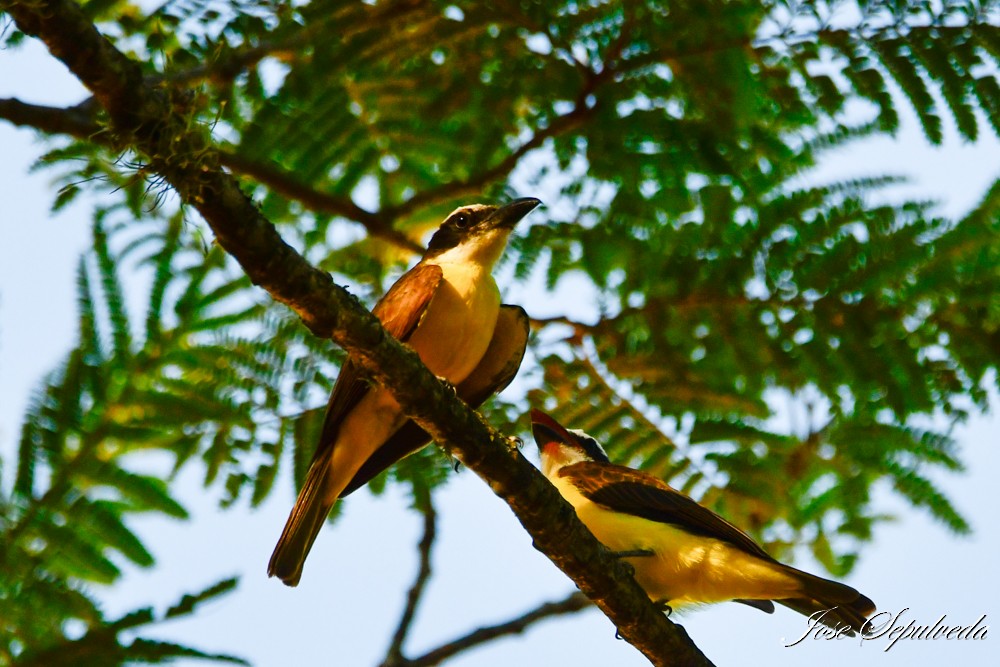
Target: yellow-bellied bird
447, 308
682, 553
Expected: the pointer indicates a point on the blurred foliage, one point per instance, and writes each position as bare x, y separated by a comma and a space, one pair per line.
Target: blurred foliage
672, 144
40, 630
181, 382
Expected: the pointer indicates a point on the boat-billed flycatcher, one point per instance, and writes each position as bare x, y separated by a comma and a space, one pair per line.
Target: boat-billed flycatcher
447, 308
683, 553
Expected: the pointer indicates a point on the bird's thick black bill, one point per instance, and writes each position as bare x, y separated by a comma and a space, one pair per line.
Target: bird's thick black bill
546, 429
512, 213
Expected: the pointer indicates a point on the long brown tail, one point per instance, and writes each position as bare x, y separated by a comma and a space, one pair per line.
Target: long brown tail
303, 525
842, 604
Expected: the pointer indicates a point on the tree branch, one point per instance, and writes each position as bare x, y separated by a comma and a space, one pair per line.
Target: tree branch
229, 62
79, 122
475, 183
573, 603
75, 121
394, 656
287, 185
181, 152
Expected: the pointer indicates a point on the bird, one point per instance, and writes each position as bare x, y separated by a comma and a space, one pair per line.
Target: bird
682, 553
447, 308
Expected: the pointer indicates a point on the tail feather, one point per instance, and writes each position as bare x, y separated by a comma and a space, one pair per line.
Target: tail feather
765, 606
844, 606
303, 525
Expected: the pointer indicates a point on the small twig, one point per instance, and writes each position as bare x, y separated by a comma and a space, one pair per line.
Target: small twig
394, 656
575, 602
475, 183
565, 123
541, 322
77, 121
80, 122
228, 63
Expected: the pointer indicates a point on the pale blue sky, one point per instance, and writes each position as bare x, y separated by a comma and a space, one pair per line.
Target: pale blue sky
485, 568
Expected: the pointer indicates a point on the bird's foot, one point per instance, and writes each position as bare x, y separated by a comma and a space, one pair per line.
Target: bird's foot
448, 385
514, 442
632, 553
664, 606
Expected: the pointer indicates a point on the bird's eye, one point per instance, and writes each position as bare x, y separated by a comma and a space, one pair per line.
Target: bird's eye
461, 220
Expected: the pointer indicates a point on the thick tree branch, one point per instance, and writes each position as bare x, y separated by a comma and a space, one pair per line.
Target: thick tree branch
150, 119
573, 603
394, 656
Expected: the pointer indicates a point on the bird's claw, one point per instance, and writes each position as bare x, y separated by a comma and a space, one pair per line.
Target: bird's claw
514, 442
664, 606
448, 385
456, 464
632, 553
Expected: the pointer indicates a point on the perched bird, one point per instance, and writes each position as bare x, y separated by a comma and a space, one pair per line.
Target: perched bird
447, 308
682, 553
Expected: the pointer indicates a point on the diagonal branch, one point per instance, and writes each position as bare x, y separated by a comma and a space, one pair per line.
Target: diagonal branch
574, 602
394, 656
181, 153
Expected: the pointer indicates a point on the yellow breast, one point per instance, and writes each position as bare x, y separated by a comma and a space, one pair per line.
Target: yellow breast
456, 329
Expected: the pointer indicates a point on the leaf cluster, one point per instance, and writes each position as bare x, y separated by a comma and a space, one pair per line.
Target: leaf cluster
196, 377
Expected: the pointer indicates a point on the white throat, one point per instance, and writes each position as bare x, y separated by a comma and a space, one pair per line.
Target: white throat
556, 457
482, 250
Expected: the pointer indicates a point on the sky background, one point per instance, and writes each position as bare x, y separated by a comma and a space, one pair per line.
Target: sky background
485, 570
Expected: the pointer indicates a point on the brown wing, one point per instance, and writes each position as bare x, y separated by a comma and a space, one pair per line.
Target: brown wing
640, 494
399, 311
502, 359
495, 371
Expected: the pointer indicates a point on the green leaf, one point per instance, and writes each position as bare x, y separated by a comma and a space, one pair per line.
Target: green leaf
114, 297
107, 519
142, 492
189, 602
